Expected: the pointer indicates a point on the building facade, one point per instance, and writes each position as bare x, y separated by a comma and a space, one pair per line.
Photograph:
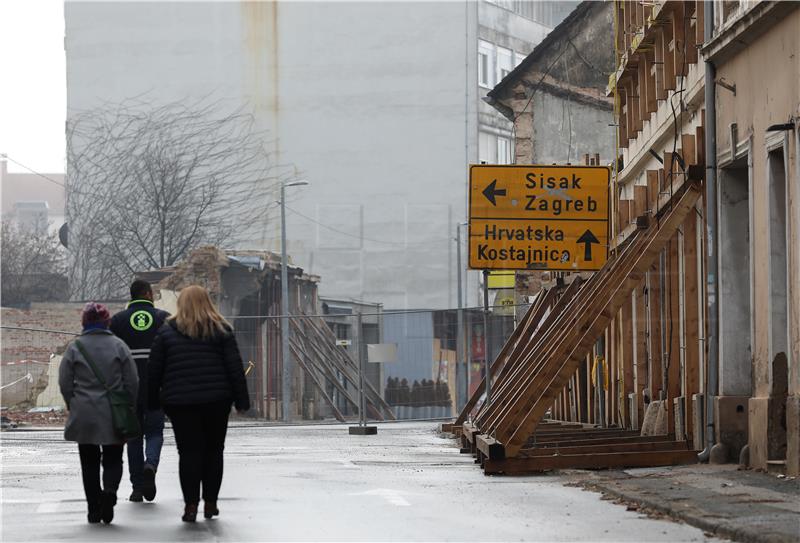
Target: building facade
748, 361
377, 105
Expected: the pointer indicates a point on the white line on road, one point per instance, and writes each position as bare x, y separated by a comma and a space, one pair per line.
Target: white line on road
48, 507
391, 496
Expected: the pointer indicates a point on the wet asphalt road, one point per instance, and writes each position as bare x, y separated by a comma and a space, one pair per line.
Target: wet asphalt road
318, 483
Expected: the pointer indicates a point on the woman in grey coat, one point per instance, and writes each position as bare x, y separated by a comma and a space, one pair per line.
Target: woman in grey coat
89, 422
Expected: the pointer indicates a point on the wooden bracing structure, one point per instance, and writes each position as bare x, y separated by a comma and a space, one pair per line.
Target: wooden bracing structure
534, 369
313, 346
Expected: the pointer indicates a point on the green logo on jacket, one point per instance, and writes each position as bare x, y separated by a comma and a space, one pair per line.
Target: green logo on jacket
141, 320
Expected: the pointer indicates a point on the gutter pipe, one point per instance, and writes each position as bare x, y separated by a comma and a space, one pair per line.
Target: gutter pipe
712, 278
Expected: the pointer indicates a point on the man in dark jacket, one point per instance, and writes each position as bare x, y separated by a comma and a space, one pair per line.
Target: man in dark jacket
137, 326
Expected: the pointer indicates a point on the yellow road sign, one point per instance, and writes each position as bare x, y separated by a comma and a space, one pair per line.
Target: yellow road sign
538, 217
501, 279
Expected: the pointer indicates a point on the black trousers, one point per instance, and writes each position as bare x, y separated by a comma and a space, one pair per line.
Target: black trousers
91, 457
200, 435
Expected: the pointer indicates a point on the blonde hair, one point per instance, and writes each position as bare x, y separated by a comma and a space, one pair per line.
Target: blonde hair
197, 317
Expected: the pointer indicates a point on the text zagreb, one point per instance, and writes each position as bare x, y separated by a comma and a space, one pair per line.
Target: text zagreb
561, 203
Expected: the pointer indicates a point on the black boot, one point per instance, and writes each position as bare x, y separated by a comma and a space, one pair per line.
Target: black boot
107, 502
149, 487
94, 512
189, 513
210, 509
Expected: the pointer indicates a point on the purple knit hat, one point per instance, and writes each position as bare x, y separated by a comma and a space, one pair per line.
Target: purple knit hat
95, 313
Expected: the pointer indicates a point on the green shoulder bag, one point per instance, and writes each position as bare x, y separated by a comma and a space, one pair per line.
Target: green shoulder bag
123, 415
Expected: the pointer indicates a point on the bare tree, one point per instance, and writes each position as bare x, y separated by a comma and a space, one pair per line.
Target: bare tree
32, 265
147, 184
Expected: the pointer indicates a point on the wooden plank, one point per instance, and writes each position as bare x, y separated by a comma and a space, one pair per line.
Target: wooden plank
612, 298
490, 447
651, 101
699, 23
507, 379
606, 448
689, 152
598, 441
679, 39
639, 201
518, 376
690, 33
521, 466
654, 314
652, 191
668, 65
568, 328
700, 150
641, 350
692, 317
623, 213
626, 340
658, 65
673, 330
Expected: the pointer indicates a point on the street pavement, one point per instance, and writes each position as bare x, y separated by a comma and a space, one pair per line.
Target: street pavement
318, 483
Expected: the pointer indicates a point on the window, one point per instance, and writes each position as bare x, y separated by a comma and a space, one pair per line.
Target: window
518, 58
487, 148
485, 64
503, 151
505, 62
493, 149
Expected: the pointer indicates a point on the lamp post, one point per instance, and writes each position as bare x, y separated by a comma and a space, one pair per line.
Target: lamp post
286, 381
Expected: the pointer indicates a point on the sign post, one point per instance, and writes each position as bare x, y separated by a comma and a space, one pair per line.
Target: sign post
532, 217
362, 429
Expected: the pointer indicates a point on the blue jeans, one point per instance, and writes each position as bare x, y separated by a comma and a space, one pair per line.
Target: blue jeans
151, 441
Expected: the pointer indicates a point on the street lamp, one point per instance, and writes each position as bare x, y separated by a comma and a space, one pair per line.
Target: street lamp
286, 381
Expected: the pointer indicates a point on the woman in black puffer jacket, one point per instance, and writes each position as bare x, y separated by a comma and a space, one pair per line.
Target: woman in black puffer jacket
195, 373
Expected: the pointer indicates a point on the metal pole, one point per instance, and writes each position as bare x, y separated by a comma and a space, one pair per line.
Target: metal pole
712, 279
286, 381
362, 415
461, 362
486, 335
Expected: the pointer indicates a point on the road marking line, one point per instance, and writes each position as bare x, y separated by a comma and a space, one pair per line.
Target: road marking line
48, 507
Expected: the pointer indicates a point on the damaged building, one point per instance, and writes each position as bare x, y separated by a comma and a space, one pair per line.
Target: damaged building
246, 287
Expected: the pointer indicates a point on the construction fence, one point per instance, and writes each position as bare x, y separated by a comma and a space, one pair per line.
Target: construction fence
415, 364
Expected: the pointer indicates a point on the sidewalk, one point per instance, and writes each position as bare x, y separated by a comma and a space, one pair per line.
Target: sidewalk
744, 506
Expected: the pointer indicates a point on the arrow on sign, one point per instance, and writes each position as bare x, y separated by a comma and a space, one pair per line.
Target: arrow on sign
491, 191
587, 238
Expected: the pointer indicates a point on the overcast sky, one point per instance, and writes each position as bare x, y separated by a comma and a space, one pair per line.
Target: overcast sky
33, 92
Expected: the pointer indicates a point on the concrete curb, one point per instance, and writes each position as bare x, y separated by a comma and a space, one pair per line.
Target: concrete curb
720, 528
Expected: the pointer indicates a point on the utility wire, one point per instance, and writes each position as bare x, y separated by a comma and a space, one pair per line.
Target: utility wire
18, 163
348, 234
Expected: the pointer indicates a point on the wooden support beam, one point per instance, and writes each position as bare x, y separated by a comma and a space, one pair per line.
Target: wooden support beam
623, 213
679, 39
640, 305
490, 447
692, 316
639, 201
647, 73
626, 340
605, 448
673, 330
700, 149
521, 466
690, 34
575, 442
658, 65
598, 319
688, 149
652, 191
654, 314
668, 65
699, 24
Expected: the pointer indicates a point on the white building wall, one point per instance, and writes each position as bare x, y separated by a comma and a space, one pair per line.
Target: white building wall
367, 100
